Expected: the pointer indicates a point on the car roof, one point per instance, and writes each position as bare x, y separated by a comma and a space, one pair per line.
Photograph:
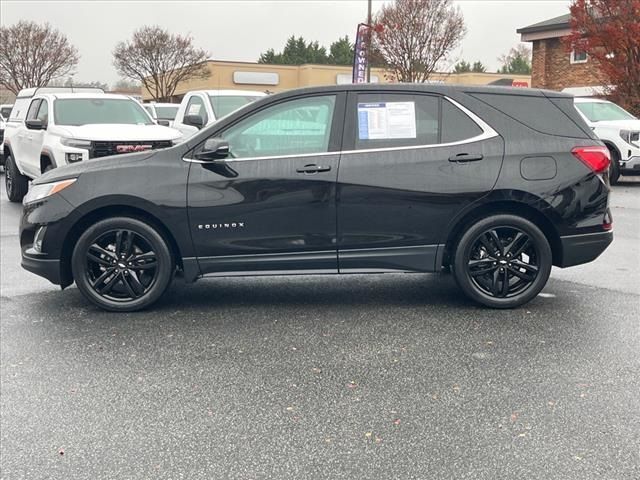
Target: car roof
437, 88
590, 100
97, 96
230, 93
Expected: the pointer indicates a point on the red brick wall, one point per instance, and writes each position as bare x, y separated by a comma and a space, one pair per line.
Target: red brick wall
552, 68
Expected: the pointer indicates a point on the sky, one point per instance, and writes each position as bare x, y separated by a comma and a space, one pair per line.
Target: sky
240, 30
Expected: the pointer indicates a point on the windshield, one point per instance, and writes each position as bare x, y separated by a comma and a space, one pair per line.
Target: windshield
86, 111
603, 111
167, 113
5, 112
224, 105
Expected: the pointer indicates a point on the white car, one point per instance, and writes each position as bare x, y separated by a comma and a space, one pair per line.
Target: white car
5, 110
618, 129
162, 113
203, 107
49, 128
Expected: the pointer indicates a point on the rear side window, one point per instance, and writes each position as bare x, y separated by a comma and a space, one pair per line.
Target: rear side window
538, 113
399, 120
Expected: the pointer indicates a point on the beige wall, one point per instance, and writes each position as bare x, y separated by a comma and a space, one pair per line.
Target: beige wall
295, 76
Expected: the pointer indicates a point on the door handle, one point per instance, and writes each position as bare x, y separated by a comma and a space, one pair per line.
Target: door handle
466, 157
313, 168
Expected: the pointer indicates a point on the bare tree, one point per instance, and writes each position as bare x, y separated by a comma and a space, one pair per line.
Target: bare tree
414, 36
32, 55
160, 60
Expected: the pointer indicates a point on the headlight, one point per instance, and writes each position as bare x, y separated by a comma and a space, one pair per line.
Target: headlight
38, 192
630, 137
75, 142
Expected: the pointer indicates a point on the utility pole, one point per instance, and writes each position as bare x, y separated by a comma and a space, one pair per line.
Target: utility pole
369, 41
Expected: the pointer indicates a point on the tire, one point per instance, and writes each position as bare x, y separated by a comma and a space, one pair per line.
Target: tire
614, 168
16, 184
48, 168
122, 264
518, 253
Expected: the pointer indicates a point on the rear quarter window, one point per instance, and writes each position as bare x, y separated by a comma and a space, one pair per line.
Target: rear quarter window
538, 113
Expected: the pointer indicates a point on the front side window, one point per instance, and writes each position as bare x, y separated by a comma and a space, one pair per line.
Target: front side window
196, 107
224, 105
603, 111
86, 111
43, 112
291, 128
33, 109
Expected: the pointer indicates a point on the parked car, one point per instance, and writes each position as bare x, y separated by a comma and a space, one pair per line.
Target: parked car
497, 183
5, 110
49, 128
162, 113
203, 107
3, 123
618, 129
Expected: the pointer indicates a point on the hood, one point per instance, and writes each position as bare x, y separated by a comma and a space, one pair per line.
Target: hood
73, 170
633, 125
119, 132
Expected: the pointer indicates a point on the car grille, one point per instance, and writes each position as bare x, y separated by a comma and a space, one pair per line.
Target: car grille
104, 149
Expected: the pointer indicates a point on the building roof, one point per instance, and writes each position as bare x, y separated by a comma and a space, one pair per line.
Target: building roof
552, 24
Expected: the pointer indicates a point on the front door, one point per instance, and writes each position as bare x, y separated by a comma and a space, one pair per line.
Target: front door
270, 206
411, 163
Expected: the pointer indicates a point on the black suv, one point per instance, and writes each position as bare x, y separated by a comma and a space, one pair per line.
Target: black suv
497, 184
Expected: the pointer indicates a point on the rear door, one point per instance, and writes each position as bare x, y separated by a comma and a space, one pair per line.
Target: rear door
411, 163
270, 206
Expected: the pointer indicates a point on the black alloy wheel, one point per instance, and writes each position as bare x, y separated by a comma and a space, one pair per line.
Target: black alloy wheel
503, 261
122, 264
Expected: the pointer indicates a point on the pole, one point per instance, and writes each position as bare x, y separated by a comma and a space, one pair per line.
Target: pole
369, 42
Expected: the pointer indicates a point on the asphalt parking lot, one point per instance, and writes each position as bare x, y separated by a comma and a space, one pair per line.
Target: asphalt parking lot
381, 377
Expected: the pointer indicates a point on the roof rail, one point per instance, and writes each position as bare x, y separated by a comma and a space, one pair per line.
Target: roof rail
30, 92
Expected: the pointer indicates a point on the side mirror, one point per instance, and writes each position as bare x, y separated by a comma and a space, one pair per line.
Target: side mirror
164, 123
213, 149
35, 124
194, 120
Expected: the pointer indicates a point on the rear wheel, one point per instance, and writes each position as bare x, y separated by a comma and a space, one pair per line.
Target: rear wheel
502, 261
614, 167
16, 184
122, 264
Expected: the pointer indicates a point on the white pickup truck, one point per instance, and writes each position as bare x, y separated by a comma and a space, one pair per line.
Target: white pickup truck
50, 127
203, 107
618, 129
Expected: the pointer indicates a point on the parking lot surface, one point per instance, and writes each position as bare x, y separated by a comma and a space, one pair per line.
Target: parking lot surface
388, 376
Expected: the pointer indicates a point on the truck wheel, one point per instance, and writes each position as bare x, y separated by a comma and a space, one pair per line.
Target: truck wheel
614, 168
122, 264
502, 261
16, 184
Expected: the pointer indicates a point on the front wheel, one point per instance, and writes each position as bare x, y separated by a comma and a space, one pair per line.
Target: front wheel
122, 264
15, 183
502, 261
614, 167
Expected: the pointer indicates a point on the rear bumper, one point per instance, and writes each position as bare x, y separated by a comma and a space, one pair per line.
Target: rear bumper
41, 265
579, 249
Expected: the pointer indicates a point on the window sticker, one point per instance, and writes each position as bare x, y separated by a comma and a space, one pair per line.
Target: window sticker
194, 109
385, 120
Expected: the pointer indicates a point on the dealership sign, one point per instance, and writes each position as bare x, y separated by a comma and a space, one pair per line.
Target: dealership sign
360, 58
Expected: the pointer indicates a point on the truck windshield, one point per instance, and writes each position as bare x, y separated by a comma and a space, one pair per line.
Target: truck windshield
166, 113
86, 111
603, 111
224, 105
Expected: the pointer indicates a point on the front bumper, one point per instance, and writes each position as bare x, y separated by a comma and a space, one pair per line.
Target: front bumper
579, 249
41, 265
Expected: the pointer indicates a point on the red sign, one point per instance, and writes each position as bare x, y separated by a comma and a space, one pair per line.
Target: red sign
518, 83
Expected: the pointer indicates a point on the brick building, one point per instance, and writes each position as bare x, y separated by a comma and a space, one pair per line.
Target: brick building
554, 66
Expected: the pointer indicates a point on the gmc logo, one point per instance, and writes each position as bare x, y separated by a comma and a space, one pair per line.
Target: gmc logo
132, 148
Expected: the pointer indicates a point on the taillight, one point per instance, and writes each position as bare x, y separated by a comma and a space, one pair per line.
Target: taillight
596, 158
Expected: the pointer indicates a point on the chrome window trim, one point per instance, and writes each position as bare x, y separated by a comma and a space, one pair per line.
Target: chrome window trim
487, 133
